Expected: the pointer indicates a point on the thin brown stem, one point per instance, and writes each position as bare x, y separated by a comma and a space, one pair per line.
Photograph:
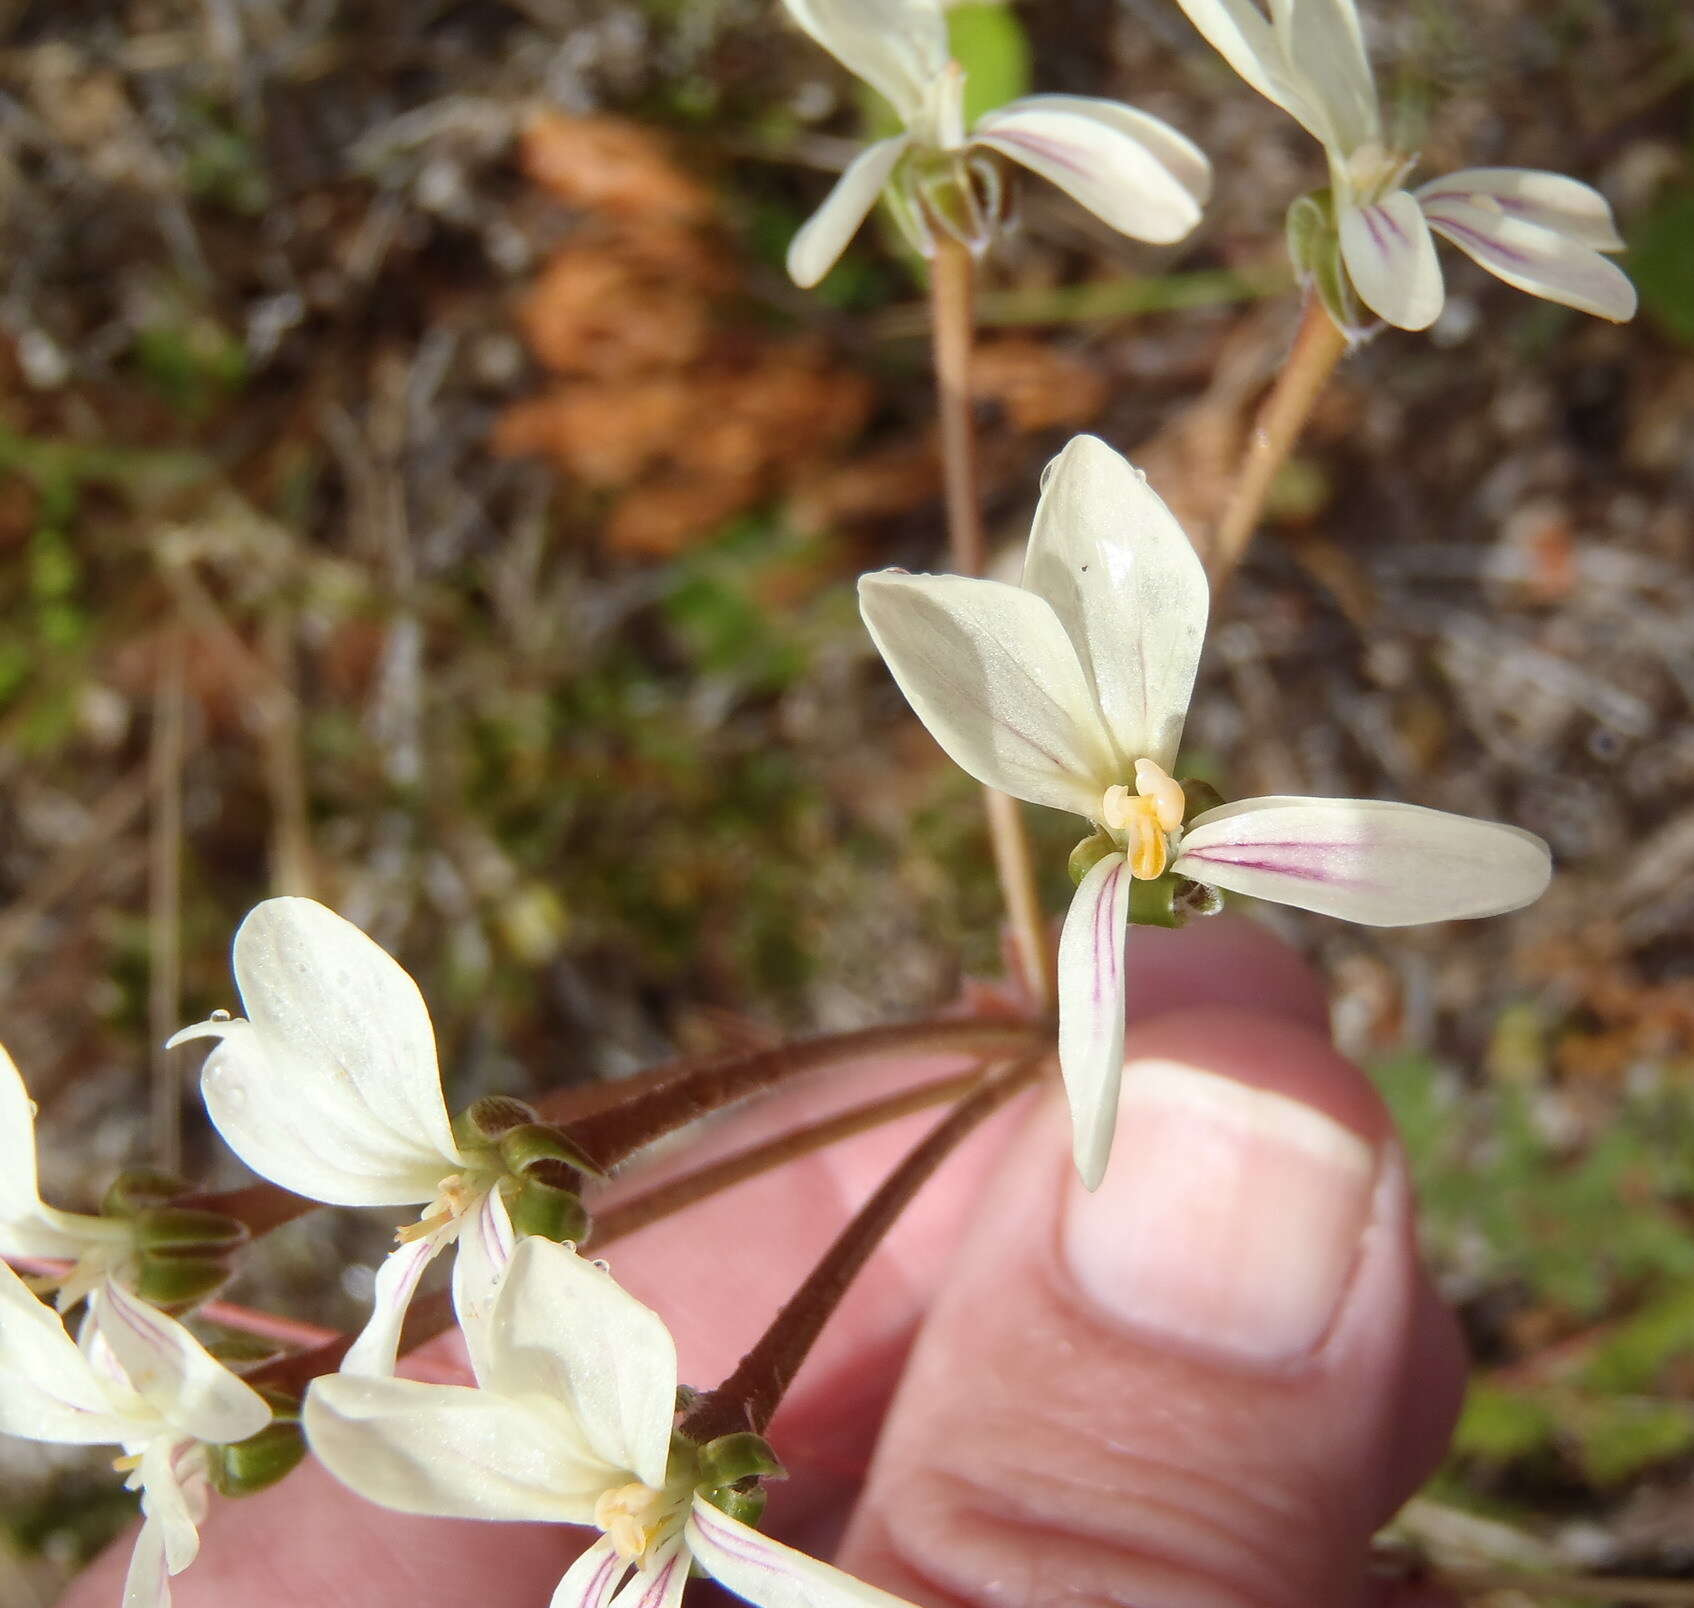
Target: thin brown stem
1318, 347
749, 1397
610, 1137
164, 898
951, 286
666, 1199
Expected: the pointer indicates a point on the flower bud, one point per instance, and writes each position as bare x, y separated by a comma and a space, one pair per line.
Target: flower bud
486, 1121
1088, 854
544, 1209
730, 1459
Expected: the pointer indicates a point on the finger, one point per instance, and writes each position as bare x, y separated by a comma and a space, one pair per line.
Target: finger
1193, 1388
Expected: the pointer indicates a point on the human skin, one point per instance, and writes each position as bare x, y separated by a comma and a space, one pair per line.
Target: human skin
1203, 1387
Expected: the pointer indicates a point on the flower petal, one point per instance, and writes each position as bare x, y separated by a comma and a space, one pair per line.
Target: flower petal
1325, 53
147, 1582
824, 236
1130, 170
898, 47
563, 1329
663, 1576
453, 1452
486, 1243
373, 1354
989, 670
1565, 205
591, 1580
331, 1088
1391, 260
48, 1390
1128, 589
173, 1373
1091, 992
1534, 257
1240, 33
1366, 860
766, 1572
173, 1505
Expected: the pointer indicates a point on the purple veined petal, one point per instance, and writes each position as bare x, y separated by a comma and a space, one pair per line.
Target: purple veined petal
1131, 171
1565, 205
375, 1350
1534, 258
1325, 54
989, 670
174, 1500
591, 1581
1365, 860
448, 1451
190, 1390
767, 1573
898, 47
662, 1579
1390, 258
147, 1582
564, 1330
486, 1243
1129, 590
822, 238
49, 1391
1091, 1002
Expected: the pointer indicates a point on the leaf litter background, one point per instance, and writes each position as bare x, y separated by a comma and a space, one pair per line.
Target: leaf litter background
423, 489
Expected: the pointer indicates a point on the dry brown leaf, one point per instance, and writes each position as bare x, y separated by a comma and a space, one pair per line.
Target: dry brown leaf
1036, 385
605, 164
594, 312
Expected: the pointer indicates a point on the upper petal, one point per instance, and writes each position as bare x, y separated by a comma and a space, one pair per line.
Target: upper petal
897, 46
20, 1199
453, 1452
766, 1572
1366, 860
1091, 992
48, 1390
173, 1373
563, 1329
1239, 32
1391, 260
1550, 199
824, 236
1325, 52
332, 1090
1129, 590
1533, 257
1130, 170
989, 670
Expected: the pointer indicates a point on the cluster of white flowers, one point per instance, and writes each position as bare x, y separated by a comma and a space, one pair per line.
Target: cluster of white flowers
1541, 232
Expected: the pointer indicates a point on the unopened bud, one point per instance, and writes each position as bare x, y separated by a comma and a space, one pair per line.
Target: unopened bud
548, 1212
1089, 853
730, 1459
485, 1121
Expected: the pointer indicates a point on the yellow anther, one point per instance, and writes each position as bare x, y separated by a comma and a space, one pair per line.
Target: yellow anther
1169, 803
126, 1465
629, 1515
1144, 843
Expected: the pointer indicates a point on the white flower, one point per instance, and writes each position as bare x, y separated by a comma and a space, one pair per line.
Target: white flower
570, 1423
1541, 232
138, 1380
329, 1087
95, 1246
1132, 171
1071, 690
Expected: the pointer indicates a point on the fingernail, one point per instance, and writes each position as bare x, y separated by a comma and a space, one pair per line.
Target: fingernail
1230, 1217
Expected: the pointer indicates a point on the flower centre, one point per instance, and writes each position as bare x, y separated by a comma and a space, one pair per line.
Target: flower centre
631, 1516
1373, 171
454, 1196
1144, 820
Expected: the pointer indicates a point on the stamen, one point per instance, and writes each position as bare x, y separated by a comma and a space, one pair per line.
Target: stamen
126, 1465
1169, 803
629, 1515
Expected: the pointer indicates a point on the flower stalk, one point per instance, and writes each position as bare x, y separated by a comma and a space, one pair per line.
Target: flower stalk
751, 1395
1318, 346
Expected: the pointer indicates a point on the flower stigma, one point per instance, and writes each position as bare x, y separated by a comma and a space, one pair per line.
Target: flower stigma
1144, 821
454, 1196
632, 1516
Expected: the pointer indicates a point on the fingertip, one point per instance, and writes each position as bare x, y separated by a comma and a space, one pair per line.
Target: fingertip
1224, 961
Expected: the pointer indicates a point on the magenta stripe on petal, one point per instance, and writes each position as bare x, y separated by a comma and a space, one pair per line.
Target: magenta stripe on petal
1315, 862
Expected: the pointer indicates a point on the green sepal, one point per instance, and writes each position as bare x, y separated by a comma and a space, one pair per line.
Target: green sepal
177, 1230
136, 1189
1314, 244
1195, 899
1152, 904
549, 1212
244, 1467
747, 1506
484, 1122
175, 1283
1198, 797
242, 1353
533, 1144
1088, 854
730, 1459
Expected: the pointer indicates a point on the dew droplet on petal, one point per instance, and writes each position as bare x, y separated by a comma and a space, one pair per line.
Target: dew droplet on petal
601, 1263
221, 1016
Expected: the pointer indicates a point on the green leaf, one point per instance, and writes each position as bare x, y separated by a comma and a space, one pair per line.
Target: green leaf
1662, 249
1501, 1425
1621, 1436
988, 41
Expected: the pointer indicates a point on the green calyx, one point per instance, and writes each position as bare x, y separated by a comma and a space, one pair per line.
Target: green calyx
183, 1255
244, 1467
730, 1459
138, 1189
747, 1506
176, 1283
534, 1146
1089, 853
963, 194
486, 1121
1314, 245
548, 1210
